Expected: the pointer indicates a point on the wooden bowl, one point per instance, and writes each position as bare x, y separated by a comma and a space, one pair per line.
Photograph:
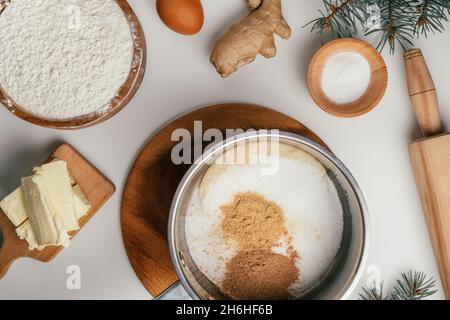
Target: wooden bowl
377, 85
125, 94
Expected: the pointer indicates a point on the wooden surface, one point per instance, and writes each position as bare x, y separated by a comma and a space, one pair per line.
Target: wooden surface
430, 159
94, 185
124, 96
374, 93
422, 93
153, 180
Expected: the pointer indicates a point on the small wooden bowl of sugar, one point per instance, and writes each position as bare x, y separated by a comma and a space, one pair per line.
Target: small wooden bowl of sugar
347, 77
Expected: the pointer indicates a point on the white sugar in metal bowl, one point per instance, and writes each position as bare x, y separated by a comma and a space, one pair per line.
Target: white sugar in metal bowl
63, 59
300, 187
344, 270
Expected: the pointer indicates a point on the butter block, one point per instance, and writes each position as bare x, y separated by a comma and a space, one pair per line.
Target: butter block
45, 204
72, 180
25, 232
82, 205
58, 182
47, 228
13, 207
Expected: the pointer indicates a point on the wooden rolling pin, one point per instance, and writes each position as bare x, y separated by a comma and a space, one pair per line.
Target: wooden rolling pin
430, 159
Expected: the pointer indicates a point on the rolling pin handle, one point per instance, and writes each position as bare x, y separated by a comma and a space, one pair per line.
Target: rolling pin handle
422, 93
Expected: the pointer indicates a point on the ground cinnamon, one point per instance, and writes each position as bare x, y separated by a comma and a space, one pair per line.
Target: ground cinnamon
259, 274
256, 272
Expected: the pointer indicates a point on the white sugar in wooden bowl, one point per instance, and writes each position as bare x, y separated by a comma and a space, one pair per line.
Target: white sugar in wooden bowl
347, 77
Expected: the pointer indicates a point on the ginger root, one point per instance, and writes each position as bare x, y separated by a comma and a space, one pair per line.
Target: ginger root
251, 36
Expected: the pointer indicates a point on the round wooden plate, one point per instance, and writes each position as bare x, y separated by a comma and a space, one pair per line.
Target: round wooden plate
154, 178
125, 94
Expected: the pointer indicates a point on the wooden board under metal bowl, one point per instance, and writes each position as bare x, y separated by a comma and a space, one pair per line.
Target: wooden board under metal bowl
124, 96
154, 178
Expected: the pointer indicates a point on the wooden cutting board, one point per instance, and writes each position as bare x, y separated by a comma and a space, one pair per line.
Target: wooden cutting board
154, 178
97, 188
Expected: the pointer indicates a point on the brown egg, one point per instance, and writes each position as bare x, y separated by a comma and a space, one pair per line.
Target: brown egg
182, 16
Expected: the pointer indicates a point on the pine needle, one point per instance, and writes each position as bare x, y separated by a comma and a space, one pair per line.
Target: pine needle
372, 293
339, 19
398, 21
430, 16
411, 286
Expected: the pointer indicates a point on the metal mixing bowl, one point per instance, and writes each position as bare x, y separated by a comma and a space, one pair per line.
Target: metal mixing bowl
346, 269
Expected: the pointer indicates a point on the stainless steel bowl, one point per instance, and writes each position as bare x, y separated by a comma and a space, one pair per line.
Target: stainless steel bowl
345, 271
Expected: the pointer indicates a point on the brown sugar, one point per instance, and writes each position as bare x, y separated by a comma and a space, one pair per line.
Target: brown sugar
256, 272
259, 274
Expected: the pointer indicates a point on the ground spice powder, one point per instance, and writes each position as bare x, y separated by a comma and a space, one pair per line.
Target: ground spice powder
256, 272
253, 221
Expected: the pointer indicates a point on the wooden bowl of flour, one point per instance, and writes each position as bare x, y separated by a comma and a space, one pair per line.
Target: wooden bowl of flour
373, 92
117, 102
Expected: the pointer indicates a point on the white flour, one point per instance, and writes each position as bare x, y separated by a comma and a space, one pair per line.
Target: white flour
301, 187
61, 59
346, 77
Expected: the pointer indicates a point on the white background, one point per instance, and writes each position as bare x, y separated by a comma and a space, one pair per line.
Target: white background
180, 78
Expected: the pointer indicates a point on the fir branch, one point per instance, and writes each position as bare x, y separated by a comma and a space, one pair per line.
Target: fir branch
411, 286
430, 16
373, 292
396, 25
339, 18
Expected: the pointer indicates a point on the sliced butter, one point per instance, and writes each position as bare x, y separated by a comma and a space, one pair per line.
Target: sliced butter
47, 228
58, 182
82, 205
72, 180
13, 207
25, 232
